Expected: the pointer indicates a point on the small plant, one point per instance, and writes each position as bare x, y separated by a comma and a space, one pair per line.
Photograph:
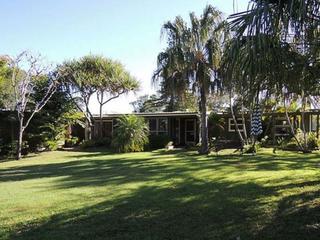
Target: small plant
87, 144
313, 142
131, 134
252, 148
71, 142
52, 145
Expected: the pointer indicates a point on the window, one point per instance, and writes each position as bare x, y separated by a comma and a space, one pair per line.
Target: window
232, 126
313, 123
190, 129
107, 129
158, 126
162, 126
153, 125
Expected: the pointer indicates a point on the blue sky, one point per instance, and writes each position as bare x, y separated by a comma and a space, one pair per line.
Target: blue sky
126, 30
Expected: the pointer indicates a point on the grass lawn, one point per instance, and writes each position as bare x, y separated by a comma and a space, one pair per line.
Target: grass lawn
160, 195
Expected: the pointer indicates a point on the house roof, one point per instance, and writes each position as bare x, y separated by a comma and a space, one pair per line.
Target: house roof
152, 114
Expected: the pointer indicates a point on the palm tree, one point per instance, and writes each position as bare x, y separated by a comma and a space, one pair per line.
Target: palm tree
131, 134
192, 59
275, 49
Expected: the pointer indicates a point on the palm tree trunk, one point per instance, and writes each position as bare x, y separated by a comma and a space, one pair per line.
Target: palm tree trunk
204, 126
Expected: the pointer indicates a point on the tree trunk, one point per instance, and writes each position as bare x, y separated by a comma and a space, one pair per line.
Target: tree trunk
88, 132
19, 142
236, 123
100, 134
303, 119
291, 124
244, 124
204, 126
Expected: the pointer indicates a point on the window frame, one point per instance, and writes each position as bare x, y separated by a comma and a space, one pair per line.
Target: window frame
194, 130
234, 125
157, 131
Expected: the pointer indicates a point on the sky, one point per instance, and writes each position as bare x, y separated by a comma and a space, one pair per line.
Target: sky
124, 30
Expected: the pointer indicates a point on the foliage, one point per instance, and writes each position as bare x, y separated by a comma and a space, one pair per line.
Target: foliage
89, 75
251, 148
216, 125
131, 134
51, 125
192, 59
155, 103
158, 141
6, 90
26, 71
52, 145
71, 142
148, 103
90, 143
313, 143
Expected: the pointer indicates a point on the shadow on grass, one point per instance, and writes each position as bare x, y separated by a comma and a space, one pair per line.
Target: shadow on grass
191, 210
92, 168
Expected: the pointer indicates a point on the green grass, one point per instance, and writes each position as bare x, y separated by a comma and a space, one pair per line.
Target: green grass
160, 195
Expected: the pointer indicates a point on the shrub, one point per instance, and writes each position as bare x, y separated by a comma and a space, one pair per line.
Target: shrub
131, 134
87, 144
252, 148
313, 142
52, 145
71, 142
158, 141
103, 142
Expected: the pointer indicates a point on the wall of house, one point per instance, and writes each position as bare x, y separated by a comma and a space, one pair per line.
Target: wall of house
176, 133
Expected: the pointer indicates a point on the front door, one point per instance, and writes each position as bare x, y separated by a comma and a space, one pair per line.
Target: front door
190, 131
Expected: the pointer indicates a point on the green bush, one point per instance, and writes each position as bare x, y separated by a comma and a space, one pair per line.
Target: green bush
88, 144
10, 149
131, 134
71, 142
313, 142
103, 142
158, 141
51, 145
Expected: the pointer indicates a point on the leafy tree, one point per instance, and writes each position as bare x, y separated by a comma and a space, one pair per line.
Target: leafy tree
6, 90
156, 103
148, 103
131, 134
27, 70
52, 123
80, 78
114, 80
274, 52
92, 75
192, 59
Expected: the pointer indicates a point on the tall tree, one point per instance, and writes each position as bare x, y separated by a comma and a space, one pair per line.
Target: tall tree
275, 50
27, 70
95, 75
113, 81
192, 59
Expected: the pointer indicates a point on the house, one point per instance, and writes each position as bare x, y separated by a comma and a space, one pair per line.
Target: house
181, 127
275, 124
